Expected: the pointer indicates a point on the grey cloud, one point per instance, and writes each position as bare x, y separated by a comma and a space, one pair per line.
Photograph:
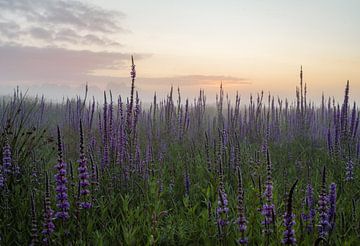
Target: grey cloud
9, 29
47, 19
72, 12
92, 39
55, 64
96, 40
67, 35
41, 33
82, 16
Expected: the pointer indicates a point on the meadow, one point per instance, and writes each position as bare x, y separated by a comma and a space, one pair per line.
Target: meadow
270, 171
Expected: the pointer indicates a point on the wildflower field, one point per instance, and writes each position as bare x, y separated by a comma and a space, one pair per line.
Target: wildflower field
269, 171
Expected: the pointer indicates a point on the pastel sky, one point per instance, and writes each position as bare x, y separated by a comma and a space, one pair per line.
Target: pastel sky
55, 47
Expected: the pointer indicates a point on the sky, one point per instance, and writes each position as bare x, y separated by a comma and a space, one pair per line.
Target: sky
55, 47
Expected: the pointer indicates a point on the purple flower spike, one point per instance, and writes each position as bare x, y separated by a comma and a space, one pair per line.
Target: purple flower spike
324, 224
62, 202
268, 210
242, 222
6, 168
308, 216
83, 174
34, 225
133, 71
222, 209
332, 203
349, 175
289, 222
48, 225
2, 181
187, 183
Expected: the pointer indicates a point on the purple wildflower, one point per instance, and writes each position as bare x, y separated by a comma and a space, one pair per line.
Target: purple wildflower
268, 210
329, 142
34, 227
48, 225
2, 181
289, 222
222, 209
105, 157
6, 158
349, 170
344, 113
332, 204
187, 182
323, 225
133, 71
61, 197
241, 210
207, 152
83, 173
308, 215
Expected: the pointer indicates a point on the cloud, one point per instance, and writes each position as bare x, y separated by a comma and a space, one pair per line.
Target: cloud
9, 29
41, 33
59, 23
55, 64
58, 41
67, 35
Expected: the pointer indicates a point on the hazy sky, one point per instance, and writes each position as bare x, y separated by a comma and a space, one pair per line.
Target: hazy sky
54, 47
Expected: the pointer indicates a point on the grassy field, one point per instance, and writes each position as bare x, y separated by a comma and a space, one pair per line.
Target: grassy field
179, 172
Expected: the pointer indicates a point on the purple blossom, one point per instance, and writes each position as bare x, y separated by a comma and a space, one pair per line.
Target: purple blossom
222, 210
329, 142
349, 171
63, 204
344, 113
48, 225
323, 226
105, 156
332, 204
268, 210
289, 222
308, 215
2, 181
6, 168
34, 226
83, 174
241, 221
187, 183
133, 71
